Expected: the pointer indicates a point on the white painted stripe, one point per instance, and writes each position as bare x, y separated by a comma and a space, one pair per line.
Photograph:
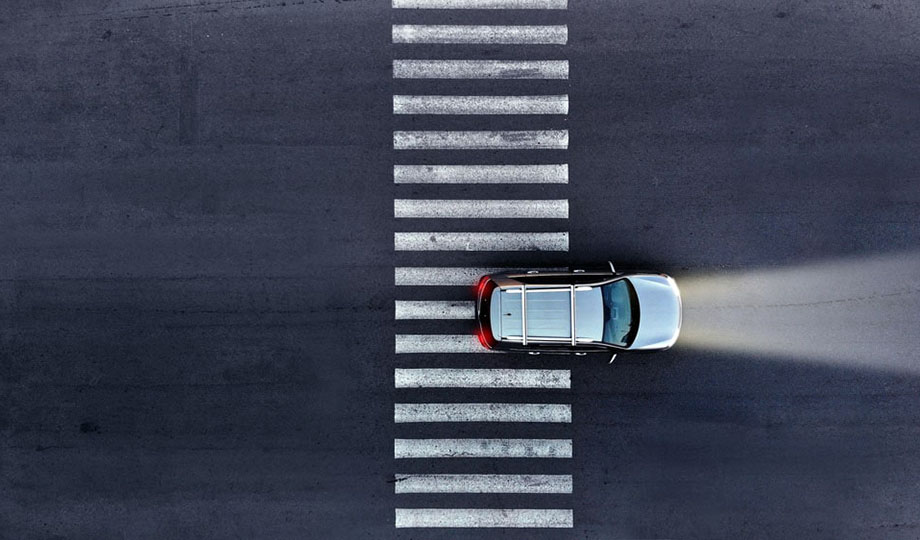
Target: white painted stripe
481, 208
480, 69
410, 413
481, 241
481, 174
471, 34
438, 343
443, 276
555, 379
548, 104
483, 483
548, 139
482, 448
542, 518
480, 4
435, 310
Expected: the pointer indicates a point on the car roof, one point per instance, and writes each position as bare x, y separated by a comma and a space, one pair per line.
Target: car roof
548, 314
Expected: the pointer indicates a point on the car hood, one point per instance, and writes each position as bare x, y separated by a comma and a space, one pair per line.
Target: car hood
659, 311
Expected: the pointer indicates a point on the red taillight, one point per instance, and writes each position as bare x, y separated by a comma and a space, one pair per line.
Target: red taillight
480, 287
482, 338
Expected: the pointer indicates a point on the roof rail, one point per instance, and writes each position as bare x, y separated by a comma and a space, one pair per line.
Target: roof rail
523, 313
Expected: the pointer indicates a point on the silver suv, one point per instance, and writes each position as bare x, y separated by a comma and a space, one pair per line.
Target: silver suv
578, 312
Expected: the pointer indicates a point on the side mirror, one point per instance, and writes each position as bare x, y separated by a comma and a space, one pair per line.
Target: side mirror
612, 358
612, 269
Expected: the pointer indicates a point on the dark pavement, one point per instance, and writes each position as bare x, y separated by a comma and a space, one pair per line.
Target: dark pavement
196, 265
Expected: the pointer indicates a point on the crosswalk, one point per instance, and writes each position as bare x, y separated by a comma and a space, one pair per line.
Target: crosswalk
470, 34
482, 448
484, 483
484, 517
480, 4
481, 174
543, 139
551, 379
435, 310
481, 241
482, 412
482, 208
481, 105
457, 406
480, 69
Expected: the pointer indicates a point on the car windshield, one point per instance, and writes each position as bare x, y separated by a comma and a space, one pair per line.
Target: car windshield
621, 313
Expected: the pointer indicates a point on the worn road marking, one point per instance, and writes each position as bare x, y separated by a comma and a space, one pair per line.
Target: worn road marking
409, 413
548, 139
481, 241
481, 174
487, 34
438, 343
481, 208
483, 483
540, 168
447, 276
480, 4
482, 448
549, 104
434, 310
480, 69
556, 379
542, 518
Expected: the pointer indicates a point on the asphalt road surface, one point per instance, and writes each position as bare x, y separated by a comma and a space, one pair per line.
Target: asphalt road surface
198, 243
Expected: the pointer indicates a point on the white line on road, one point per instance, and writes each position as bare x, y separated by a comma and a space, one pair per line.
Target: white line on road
411, 413
547, 139
445, 276
542, 518
438, 343
472, 34
481, 241
480, 69
548, 104
556, 379
481, 174
483, 483
480, 4
482, 448
434, 310
481, 208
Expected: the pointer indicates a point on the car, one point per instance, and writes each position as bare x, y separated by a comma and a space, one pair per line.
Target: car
578, 312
